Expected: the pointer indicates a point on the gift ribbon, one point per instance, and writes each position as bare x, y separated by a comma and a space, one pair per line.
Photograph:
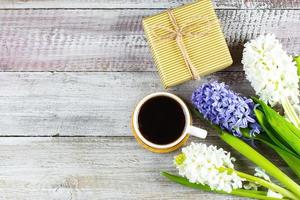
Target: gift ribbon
178, 33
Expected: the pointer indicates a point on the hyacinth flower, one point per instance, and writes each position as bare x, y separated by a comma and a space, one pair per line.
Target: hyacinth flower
235, 114
273, 74
211, 169
225, 108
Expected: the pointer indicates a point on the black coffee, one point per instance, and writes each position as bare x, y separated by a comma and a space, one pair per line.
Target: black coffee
161, 120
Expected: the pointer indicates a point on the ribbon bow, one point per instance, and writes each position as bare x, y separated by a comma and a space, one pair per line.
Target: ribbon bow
178, 32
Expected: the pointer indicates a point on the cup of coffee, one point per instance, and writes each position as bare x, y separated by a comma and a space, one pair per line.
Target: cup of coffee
161, 122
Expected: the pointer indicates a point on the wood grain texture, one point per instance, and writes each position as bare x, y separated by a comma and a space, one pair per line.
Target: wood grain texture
113, 40
106, 67
82, 104
226, 4
93, 168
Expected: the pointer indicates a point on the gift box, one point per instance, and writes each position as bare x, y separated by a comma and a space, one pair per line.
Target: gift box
187, 42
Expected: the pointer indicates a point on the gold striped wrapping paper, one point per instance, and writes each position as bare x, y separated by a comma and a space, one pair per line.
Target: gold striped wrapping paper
208, 53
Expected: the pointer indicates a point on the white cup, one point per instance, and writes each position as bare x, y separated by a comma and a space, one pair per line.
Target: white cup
188, 129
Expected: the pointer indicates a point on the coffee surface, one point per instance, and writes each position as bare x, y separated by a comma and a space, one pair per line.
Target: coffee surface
161, 120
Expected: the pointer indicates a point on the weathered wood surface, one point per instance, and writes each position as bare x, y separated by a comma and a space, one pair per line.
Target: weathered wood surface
220, 4
63, 168
82, 104
105, 68
113, 40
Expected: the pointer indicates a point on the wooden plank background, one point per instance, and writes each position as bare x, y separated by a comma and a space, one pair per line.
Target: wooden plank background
71, 73
113, 40
147, 4
84, 104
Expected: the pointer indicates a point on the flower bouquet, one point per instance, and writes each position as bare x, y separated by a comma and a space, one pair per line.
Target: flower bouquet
273, 74
229, 112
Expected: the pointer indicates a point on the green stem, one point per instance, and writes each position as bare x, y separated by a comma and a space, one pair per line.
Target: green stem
291, 159
261, 161
267, 184
236, 192
290, 111
244, 193
262, 182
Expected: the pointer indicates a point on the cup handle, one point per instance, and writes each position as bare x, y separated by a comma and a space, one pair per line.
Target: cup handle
197, 132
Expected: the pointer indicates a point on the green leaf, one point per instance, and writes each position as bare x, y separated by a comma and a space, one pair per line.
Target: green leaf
297, 60
185, 182
285, 129
280, 119
270, 131
292, 160
291, 126
237, 192
261, 161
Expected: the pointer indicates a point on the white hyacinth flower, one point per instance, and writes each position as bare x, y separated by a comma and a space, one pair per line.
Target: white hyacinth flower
272, 72
203, 164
